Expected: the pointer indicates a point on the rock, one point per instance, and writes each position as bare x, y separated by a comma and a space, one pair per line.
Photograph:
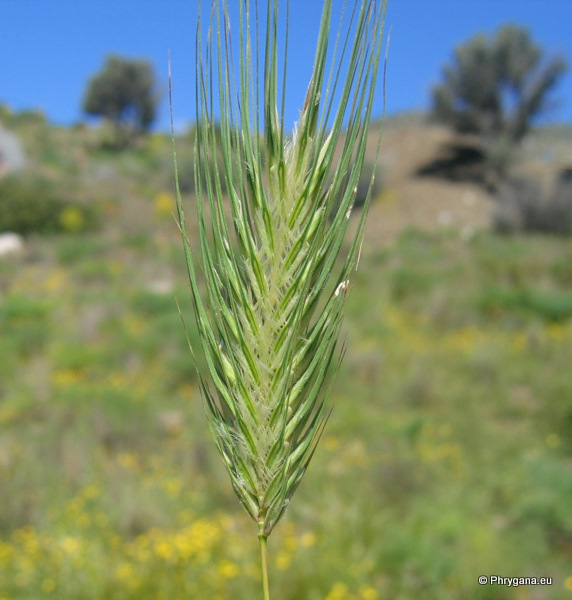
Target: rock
10, 243
11, 153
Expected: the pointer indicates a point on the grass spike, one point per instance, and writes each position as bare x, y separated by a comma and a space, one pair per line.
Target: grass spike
272, 214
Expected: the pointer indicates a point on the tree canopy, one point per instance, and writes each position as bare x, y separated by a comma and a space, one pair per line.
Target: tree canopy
496, 86
124, 92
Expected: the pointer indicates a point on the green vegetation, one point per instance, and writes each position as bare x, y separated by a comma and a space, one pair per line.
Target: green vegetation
123, 92
495, 88
447, 455
33, 206
522, 206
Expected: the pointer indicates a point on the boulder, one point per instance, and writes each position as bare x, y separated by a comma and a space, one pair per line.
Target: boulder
10, 243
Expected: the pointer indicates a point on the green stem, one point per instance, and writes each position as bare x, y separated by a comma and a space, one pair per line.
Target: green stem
264, 565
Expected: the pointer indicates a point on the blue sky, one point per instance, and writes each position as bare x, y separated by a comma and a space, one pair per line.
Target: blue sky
50, 48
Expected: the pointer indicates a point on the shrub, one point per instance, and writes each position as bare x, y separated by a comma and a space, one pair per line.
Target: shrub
523, 207
33, 206
22, 118
516, 203
558, 217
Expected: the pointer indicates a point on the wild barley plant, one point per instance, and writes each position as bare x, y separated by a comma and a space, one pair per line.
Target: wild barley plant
267, 284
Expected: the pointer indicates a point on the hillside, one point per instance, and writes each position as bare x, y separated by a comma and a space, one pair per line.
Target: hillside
448, 454
430, 202
77, 164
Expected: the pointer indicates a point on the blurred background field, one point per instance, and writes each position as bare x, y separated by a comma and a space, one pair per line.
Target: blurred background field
448, 453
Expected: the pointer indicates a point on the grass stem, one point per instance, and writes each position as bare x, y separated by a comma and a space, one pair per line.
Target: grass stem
264, 566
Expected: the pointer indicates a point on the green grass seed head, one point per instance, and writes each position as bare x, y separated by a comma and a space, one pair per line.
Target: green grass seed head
272, 214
